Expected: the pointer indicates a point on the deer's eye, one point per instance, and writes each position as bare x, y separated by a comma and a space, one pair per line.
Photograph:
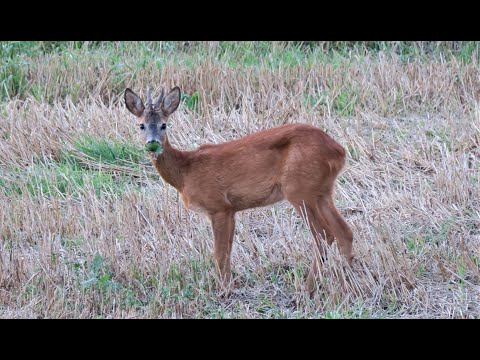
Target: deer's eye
163, 127
142, 127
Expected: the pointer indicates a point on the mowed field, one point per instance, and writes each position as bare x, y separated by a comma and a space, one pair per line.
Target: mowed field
90, 230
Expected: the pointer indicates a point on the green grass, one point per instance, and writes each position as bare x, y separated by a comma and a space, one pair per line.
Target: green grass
353, 313
69, 176
71, 243
107, 151
416, 245
124, 60
97, 279
62, 180
99, 274
344, 104
191, 101
13, 79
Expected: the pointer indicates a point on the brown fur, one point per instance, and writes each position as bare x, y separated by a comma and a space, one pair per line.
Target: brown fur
295, 162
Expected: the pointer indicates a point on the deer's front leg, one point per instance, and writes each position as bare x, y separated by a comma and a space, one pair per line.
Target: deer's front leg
223, 225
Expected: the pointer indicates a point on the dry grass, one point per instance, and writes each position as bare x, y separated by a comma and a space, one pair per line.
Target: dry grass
84, 236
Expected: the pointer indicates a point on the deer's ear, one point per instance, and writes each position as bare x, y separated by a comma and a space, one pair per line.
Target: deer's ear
171, 101
134, 103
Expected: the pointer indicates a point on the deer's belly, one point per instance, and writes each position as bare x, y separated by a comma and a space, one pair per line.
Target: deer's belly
235, 199
255, 197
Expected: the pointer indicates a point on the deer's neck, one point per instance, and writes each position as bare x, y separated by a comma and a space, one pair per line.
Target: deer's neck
171, 165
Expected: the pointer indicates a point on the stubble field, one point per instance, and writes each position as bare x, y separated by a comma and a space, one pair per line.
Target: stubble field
89, 229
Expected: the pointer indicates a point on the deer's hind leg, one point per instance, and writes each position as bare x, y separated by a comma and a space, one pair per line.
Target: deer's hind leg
319, 227
338, 225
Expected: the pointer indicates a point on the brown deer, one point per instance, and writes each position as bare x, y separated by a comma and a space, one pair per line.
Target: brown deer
296, 162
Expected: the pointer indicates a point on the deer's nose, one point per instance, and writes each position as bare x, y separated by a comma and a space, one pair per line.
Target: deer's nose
153, 146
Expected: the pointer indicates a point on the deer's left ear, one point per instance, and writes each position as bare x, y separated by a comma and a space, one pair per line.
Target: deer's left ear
134, 103
171, 101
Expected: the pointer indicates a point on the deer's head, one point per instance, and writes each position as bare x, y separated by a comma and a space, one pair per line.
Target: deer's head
152, 117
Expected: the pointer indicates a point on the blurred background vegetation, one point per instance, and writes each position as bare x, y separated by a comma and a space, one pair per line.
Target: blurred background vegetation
21, 61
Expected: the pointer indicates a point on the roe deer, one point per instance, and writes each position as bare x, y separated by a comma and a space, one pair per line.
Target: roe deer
296, 162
